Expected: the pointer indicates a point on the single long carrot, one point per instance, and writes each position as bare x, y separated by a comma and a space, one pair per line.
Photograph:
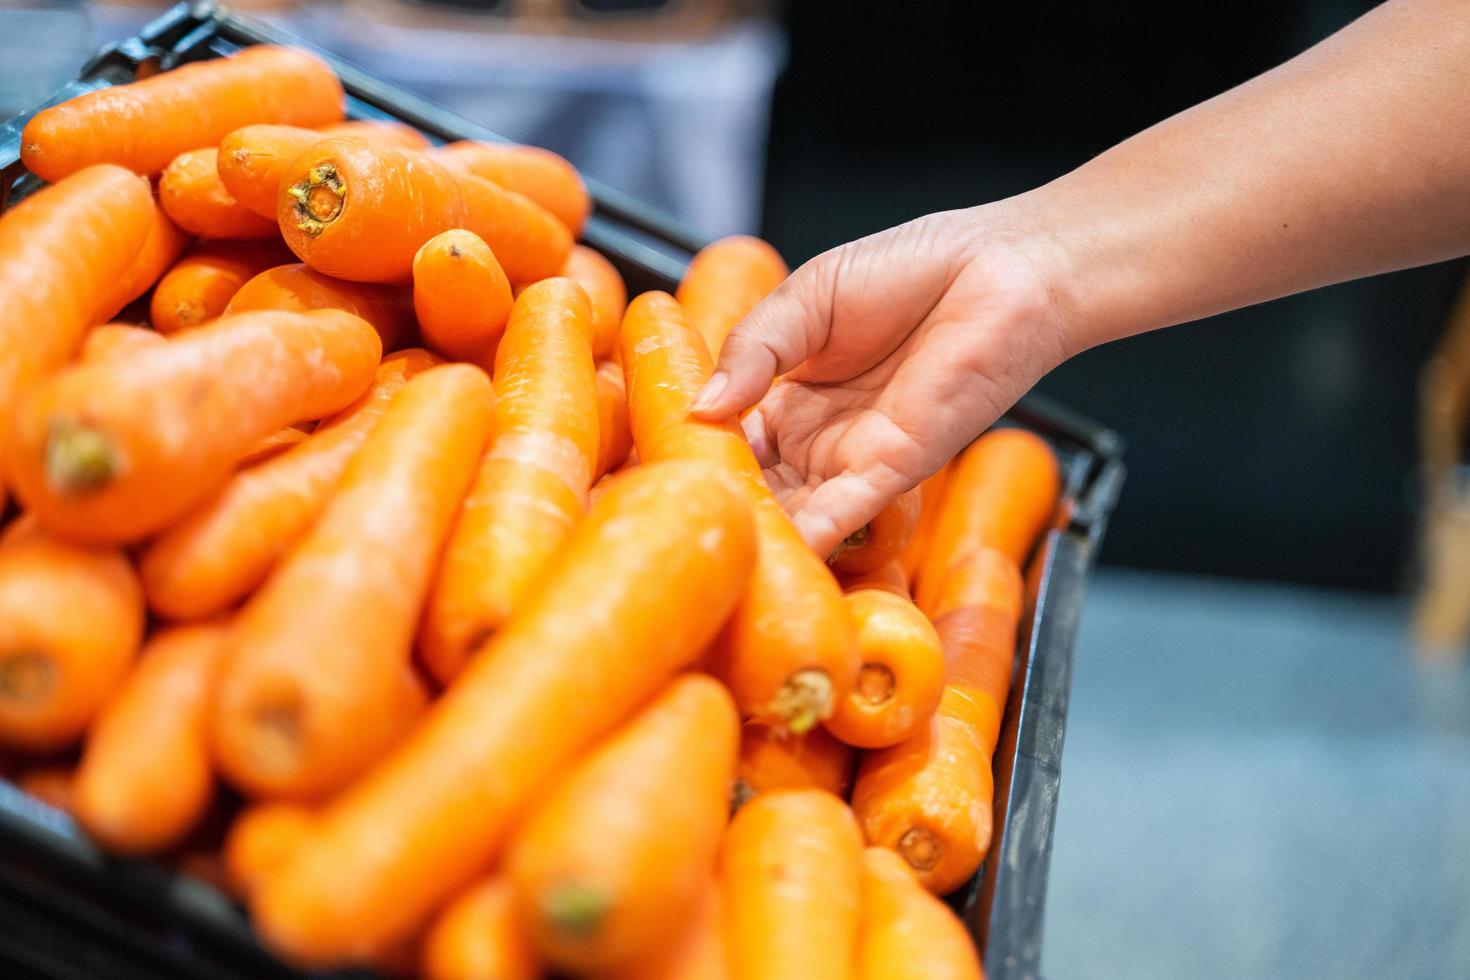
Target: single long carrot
477, 937
790, 651
592, 271
299, 289
605, 867
52, 784
615, 439
71, 619
220, 552
640, 589
117, 340
1003, 492
902, 674
110, 452
313, 691
360, 211
929, 798
531, 488
543, 176
886, 578
907, 933
725, 281
791, 885
931, 501
199, 287
770, 759
261, 841
145, 124
161, 249
146, 777
879, 541
699, 952
461, 296
193, 196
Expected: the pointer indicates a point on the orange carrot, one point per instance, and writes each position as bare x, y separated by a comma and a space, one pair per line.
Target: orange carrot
725, 281
902, 673
221, 551
1003, 492
931, 501
146, 777
194, 197
614, 438
144, 125
879, 541
477, 937
639, 590
543, 176
606, 866
698, 953
789, 653
388, 132
161, 249
531, 488
71, 619
261, 841
271, 446
791, 885
907, 933
110, 452
313, 691
771, 759
929, 798
595, 274
886, 578
461, 296
298, 289
200, 286
51, 784
361, 211
117, 340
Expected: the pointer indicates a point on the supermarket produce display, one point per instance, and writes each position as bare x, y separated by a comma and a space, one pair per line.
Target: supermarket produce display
369, 600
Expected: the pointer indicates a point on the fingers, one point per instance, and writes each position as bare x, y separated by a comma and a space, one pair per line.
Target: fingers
760, 439
841, 505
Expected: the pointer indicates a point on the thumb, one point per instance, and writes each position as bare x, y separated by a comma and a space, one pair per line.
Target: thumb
843, 504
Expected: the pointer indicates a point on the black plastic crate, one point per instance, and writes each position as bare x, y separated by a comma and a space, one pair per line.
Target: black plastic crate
69, 911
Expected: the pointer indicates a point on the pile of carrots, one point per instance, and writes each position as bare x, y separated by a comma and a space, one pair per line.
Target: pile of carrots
343, 478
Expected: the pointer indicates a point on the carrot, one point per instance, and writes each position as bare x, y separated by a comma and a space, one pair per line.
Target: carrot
907, 933
146, 776
531, 488
770, 759
200, 286
271, 446
595, 274
789, 653
931, 501
477, 937
361, 211
223, 550
261, 841
885, 578
71, 619
161, 249
145, 124
194, 197
639, 590
61, 251
253, 159
790, 878
314, 687
607, 865
1004, 490
902, 673
614, 438
112, 340
110, 452
543, 176
697, 953
879, 541
929, 798
53, 785
725, 281
461, 296
298, 289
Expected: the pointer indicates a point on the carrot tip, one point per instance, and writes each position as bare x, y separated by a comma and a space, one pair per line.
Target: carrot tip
319, 198
804, 700
26, 676
920, 847
853, 541
742, 794
574, 910
79, 458
875, 685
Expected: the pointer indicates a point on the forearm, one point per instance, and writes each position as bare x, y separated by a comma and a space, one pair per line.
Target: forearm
1350, 160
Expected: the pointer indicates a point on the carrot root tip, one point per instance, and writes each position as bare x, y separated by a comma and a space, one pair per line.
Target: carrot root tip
574, 910
276, 730
920, 847
742, 794
804, 700
27, 676
875, 685
79, 458
319, 198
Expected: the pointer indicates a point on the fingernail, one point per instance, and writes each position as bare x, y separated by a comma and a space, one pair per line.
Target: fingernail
711, 392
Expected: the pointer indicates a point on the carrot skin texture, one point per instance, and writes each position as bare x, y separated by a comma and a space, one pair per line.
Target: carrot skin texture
698, 953
146, 776
879, 541
790, 651
221, 551
589, 269
531, 487
193, 196
539, 174
387, 132
614, 439
725, 281
145, 124
907, 933
110, 452
116, 340
790, 875
166, 241
931, 501
771, 760
461, 296
477, 936
902, 676
682, 544
286, 724
360, 211
71, 619
199, 287
607, 866
887, 578
296, 288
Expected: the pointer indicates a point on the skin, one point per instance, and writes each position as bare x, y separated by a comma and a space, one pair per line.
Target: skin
900, 348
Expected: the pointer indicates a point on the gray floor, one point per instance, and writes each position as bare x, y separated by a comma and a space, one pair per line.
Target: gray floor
1259, 782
